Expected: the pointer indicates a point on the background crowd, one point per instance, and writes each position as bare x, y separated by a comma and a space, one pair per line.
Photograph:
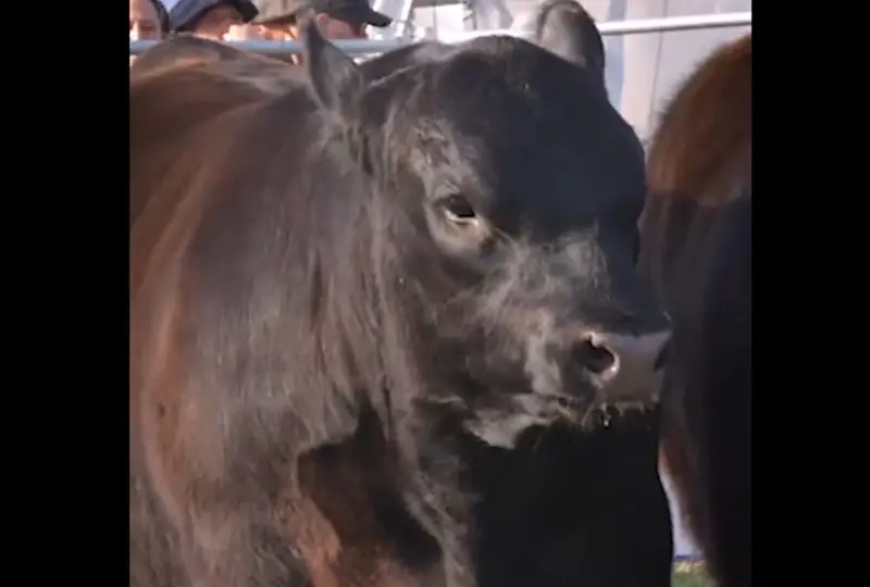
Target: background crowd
235, 20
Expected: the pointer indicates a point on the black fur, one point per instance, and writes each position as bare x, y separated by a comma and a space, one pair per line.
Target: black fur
339, 377
568, 30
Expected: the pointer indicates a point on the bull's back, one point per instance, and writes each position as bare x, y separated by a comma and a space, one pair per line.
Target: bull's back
696, 243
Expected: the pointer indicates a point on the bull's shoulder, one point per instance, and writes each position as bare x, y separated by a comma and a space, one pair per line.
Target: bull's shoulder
702, 147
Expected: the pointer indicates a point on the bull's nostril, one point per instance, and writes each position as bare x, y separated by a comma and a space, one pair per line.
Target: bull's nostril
593, 357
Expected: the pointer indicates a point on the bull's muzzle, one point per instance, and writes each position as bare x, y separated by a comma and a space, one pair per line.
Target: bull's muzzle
623, 368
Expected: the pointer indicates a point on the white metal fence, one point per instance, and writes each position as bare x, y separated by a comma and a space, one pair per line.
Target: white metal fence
371, 46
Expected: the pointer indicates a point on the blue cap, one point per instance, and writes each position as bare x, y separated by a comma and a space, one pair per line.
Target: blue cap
186, 13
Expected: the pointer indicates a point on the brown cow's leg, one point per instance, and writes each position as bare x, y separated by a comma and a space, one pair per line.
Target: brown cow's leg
707, 435
680, 463
724, 374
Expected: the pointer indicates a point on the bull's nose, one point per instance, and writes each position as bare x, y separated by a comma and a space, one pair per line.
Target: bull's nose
624, 367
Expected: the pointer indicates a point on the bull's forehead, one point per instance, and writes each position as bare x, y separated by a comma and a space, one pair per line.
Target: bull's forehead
530, 137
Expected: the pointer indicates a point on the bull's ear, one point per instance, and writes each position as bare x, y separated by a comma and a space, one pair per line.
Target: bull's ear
336, 79
565, 28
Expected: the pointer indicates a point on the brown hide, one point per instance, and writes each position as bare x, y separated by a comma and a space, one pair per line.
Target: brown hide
190, 108
699, 167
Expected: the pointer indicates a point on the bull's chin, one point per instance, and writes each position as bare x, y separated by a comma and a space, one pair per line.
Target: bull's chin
503, 428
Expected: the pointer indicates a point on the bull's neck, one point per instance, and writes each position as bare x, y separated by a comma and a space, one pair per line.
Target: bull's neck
561, 509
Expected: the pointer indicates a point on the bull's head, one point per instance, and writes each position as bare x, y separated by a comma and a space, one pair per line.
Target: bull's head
509, 193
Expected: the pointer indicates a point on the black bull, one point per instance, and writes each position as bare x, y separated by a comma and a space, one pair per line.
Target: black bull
383, 332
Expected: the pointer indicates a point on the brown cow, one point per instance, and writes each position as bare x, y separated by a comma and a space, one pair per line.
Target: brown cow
376, 330
696, 249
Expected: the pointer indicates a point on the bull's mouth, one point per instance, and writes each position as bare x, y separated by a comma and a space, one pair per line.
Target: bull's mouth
590, 415
501, 425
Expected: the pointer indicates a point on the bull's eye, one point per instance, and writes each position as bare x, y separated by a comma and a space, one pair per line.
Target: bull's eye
458, 210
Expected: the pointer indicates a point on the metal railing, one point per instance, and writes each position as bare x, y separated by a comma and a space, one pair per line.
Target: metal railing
363, 47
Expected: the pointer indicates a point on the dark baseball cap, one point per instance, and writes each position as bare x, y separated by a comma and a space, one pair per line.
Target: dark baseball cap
185, 13
353, 11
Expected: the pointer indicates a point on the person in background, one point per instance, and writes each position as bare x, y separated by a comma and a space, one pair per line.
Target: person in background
210, 18
279, 20
149, 21
337, 19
